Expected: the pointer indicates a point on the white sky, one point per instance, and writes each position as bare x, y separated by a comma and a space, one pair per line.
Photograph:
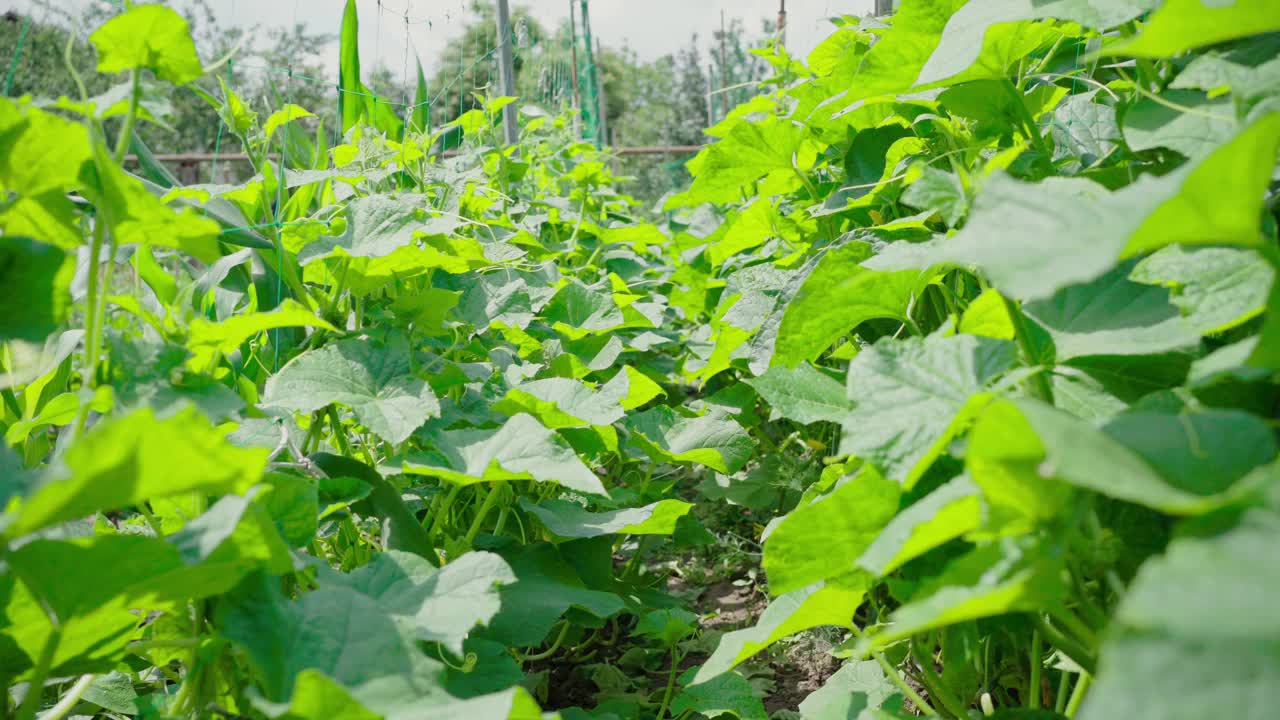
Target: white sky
650, 27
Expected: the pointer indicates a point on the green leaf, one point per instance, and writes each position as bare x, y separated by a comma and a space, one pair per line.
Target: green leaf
994, 579
727, 694
566, 403
284, 115
1034, 239
1249, 70
151, 37
714, 439
138, 217
570, 520
1085, 132
1181, 25
963, 37
1216, 289
439, 605
1195, 633
910, 395
667, 626
751, 151
126, 460
522, 449
377, 226
837, 296
1112, 315
207, 340
852, 693
37, 282
822, 604
1219, 199
361, 648
1157, 460
40, 152
938, 191
804, 394
1181, 120
577, 311
376, 382
943, 515
546, 587
401, 529
824, 539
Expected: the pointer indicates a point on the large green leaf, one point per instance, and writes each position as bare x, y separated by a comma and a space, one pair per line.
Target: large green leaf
430, 604
376, 382
1182, 120
207, 340
751, 151
727, 694
994, 579
804, 394
1181, 25
570, 520
546, 587
829, 603
522, 449
151, 37
377, 226
962, 38
824, 539
37, 282
1195, 634
1215, 288
855, 692
943, 515
907, 395
1172, 463
1112, 315
566, 403
126, 460
1033, 239
837, 296
714, 439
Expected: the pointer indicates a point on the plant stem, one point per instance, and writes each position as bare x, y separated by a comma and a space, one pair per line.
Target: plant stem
68, 701
1060, 701
437, 524
1076, 626
1072, 649
1040, 387
892, 673
35, 686
952, 706
130, 119
485, 506
564, 632
1077, 695
1037, 663
88, 374
671, 684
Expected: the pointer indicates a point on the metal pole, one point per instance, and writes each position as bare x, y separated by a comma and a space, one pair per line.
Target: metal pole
577, 92
602, 100
711, 98
507, 73
884, 7
782, 21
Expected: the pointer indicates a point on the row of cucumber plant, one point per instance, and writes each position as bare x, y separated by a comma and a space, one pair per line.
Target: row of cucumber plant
974, 305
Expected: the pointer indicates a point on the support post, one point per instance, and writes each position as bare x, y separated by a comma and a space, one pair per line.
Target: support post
577, 92
782, 21
884, 7
602, 98
507, 73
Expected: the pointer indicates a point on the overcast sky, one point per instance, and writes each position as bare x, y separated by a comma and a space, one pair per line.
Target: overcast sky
650, 27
